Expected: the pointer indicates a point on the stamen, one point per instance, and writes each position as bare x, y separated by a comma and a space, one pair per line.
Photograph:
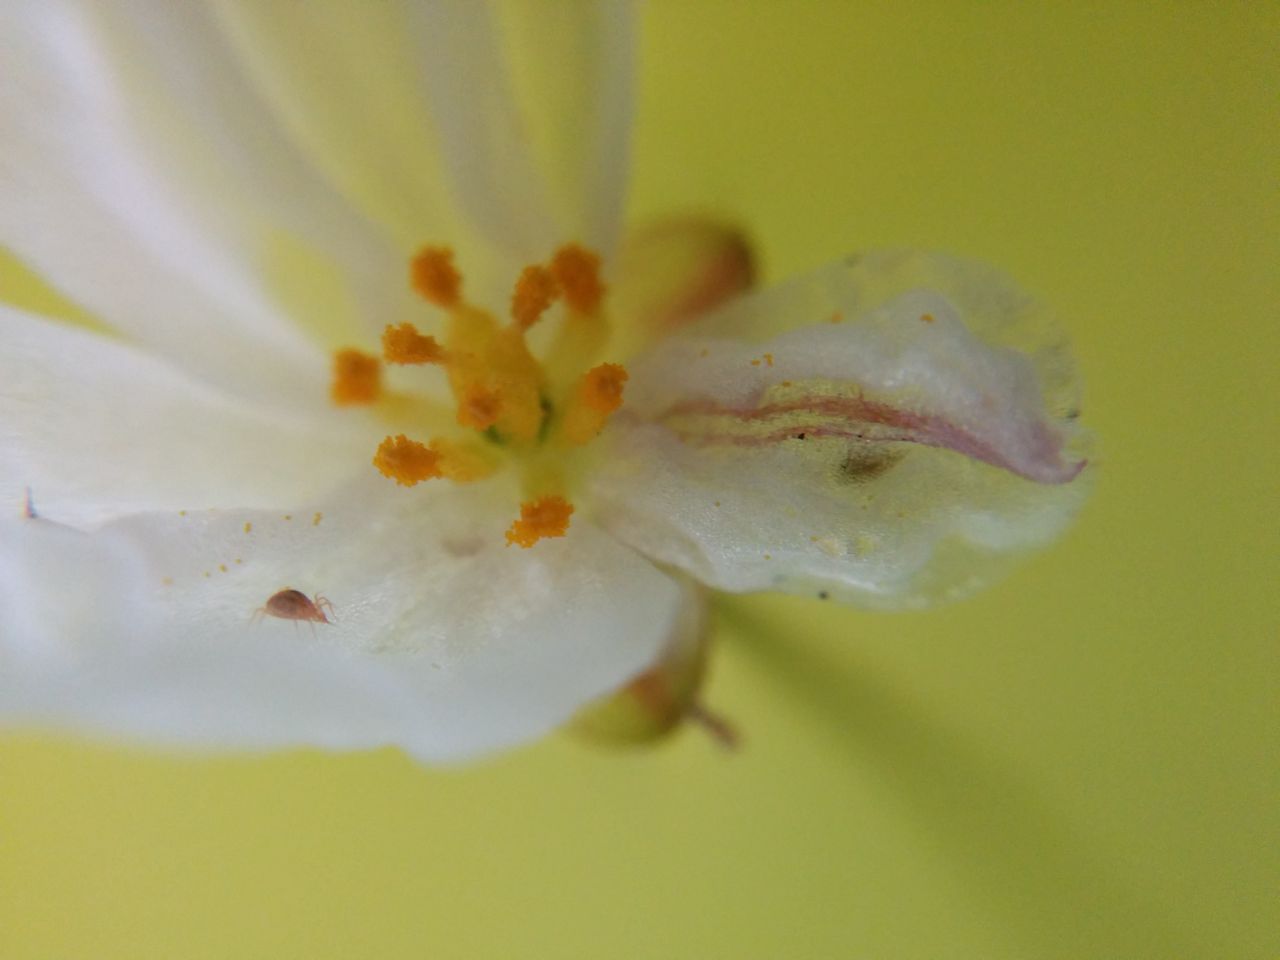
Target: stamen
479, 407
535, 291
433, 275
409, 462
500, 388
544, 517
598, 395
495, 379
577, 270
406, 461
357, 379
461, 462
405, 345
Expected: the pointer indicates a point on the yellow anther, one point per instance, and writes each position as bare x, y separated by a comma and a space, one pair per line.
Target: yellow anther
535, 291
407, 461
405, 345
577, 271
433, 275
544, 517
357, 379
598, 395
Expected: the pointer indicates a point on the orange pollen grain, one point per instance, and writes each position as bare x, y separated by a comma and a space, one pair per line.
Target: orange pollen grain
433, 275
405, 345
479, 408
357, 379
406, 461
544, 517
535, 291
577, 270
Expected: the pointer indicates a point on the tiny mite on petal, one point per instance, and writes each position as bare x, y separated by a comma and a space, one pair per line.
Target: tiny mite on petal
290, 604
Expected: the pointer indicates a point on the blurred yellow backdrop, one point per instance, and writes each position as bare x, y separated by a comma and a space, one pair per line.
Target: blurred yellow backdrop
1079, 763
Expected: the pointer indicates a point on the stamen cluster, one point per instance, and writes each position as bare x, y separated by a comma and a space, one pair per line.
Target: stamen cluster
511, 404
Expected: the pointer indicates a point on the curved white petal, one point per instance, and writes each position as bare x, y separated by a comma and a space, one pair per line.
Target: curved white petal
148, 178
345, 81
184, 170
96, 428
893, 447
445, 641
992, 306
532, 103
570, 69
516, 114
485, 125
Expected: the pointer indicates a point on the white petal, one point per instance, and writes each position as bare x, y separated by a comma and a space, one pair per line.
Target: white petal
571, 69
533, 106
502, 124
994, 308
60, 591
149, 181
445, 641
899, 455
97, 428
345, 81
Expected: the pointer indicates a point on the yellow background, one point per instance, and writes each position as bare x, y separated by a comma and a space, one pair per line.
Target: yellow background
1079, 763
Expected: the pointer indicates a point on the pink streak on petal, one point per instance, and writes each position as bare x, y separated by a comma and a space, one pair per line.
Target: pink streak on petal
1038, 458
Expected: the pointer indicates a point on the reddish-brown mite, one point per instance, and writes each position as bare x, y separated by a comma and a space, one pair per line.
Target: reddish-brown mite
290, 604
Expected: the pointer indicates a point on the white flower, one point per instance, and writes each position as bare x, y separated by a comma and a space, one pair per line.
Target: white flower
233, 191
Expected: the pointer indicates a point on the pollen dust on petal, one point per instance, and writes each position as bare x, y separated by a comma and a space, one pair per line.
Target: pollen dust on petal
544, 517
433, 275
577, 270
535, 291
598, 395
405, 345
357, 379
407, 461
